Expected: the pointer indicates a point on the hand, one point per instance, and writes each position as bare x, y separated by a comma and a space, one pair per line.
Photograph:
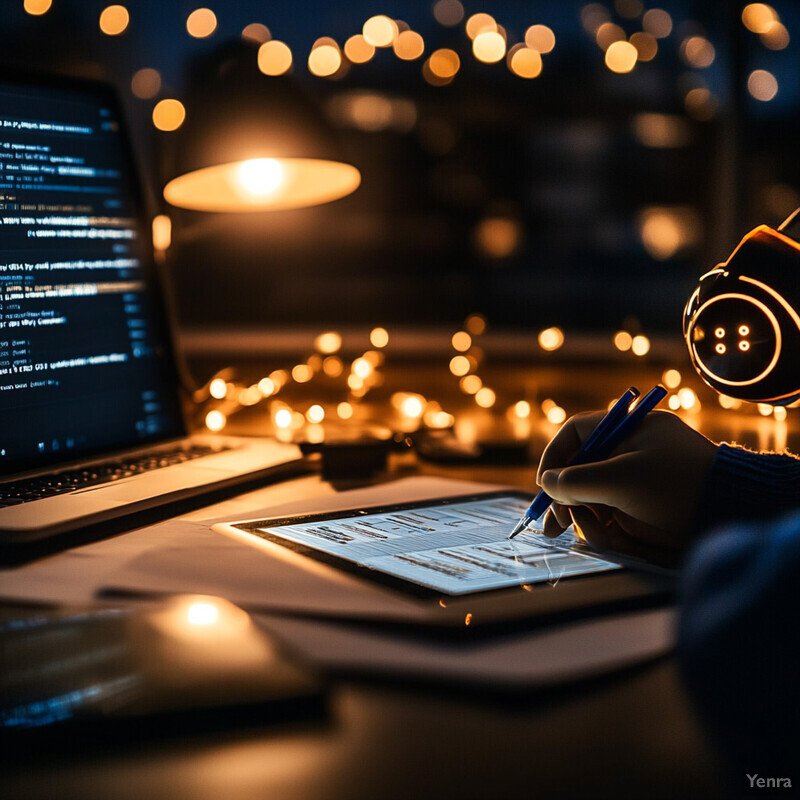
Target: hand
640, 501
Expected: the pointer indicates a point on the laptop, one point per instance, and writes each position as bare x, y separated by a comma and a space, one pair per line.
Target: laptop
91, 422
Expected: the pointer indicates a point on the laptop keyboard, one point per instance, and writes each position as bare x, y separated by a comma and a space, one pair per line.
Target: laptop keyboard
23, 491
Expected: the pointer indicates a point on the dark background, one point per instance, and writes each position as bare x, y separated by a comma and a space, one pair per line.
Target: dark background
558, 163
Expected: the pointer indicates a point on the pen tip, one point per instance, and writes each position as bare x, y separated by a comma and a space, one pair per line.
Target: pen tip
518, 528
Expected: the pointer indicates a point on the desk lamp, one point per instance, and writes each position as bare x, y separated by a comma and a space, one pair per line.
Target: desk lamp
742, 322
253, 142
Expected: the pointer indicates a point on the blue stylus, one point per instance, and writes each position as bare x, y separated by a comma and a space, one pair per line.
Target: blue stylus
601, 442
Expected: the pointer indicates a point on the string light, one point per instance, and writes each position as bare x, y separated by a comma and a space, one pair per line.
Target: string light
623, 341
37, 7
621, 57
114, 20
480, 23
215, 420
315, 414
380, 31
201, 23
256, 32
489, 47
168, 114
524, 62
485, 397
218, 388
274, 57
540, 38
408, 45
551, 339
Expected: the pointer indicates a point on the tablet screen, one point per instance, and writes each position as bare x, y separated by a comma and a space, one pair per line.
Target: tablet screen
455, 546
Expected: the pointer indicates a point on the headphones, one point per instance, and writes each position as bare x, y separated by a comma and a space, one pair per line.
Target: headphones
741, 323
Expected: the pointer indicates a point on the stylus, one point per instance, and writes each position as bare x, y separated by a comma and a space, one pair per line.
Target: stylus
601, 442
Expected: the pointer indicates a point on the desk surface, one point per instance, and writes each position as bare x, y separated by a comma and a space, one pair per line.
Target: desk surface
631, 734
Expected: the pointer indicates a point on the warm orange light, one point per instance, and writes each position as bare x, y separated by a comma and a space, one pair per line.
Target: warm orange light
475, 324
266, 387
380, 31
480, 23
169, 114
459, 365
324, 60
498, 237
114, 20
146, 83
315, 414
218, 388
640, 346
607, 34
302, 373
551, 338
540, 38
776, 37
328, 342
409, 45
263, 183
448, 12
671, 378
444, 63
757, 17
37, 7
698, 52
661, 130
556, 415
362, 368
623, 341
332, 366
666, 231
215, 420
646, 45
657, 22
256, 32
621, 57
201, 23
162, 232
461, 341
274, 57
485, 397
489, 47
700, 103
379, 337
344, 410
524, 62
358, 50
470, 384
762, 85
522, 409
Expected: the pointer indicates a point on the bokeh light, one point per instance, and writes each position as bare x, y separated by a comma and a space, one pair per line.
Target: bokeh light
646, 45
757, 17
201, 23
358, 50
146, 83
480, 23
485, 397
274, 57
256, 32
215, 420
657, 22
380, 31
379, 337
540, 38
524, 62
328, 342
169, 114
621, 57
623, 341
408, 45
551, 339
461, 341
698, 52
444, 63
37, 7
324, 61
114, 20
762, 85
448, 12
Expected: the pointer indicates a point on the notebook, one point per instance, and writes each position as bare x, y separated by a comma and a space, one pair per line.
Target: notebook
91, 423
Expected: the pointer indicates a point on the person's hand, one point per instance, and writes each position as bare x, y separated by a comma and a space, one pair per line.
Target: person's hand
640, 501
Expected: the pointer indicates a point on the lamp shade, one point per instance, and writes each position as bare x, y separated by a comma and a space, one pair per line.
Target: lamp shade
253, 142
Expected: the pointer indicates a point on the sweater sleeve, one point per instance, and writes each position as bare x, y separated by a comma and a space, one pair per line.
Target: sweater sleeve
745, 485
738, 639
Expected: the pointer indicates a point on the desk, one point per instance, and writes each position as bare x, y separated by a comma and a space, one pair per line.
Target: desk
631, 734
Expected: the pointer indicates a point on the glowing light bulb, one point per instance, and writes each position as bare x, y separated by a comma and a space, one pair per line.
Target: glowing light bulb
218, 388
215, 420
260, 176
315, 414
202, 613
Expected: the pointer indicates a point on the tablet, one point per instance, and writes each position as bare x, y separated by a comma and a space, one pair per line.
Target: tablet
451, 546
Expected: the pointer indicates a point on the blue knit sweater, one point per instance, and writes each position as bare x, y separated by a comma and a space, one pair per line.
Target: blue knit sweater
739, 631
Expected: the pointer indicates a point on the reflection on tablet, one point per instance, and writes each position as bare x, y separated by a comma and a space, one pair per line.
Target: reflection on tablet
454, 547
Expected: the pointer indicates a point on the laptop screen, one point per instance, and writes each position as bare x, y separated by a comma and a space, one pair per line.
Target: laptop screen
85, 362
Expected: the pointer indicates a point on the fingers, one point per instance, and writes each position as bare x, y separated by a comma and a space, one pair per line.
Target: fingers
566, 443
606, 482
